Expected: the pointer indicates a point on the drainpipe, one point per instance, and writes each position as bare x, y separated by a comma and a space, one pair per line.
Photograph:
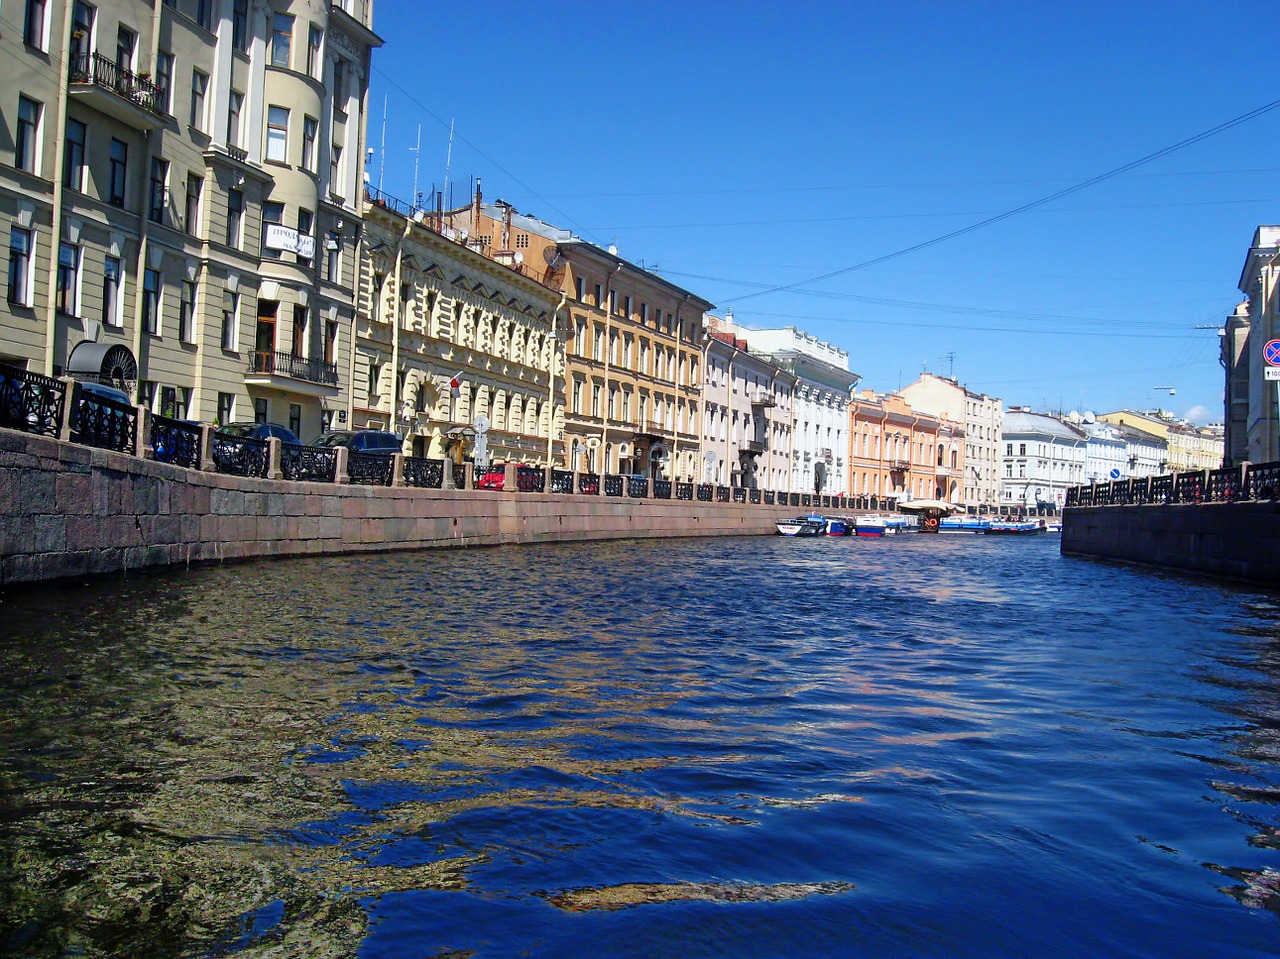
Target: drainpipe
551, 389
59, 149
395, 327
728, 406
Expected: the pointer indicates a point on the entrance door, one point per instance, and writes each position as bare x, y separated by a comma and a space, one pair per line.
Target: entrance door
264, 346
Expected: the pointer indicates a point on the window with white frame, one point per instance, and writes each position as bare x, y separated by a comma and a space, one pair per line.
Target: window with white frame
73, 165
278, 134
235, 218
158, 195
195, 189
235, 106
199, 91
315, 38
281, 39
310, 126
230, 320
68, 285
117, 173
164, 80
112, 292
35, 29
187, 312
26, 141
20, 266
151, 302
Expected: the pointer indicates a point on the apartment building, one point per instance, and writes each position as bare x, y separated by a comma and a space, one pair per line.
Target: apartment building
1252, 402
900, 453
634, 343
1043, 458
748, 402
820, 419
980, 417
455, 352
182, 203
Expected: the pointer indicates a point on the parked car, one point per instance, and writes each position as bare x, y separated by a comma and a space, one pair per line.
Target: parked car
101, 390
362, 441
261, 431
494, 477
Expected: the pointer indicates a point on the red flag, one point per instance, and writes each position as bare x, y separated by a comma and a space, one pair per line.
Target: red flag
455, 385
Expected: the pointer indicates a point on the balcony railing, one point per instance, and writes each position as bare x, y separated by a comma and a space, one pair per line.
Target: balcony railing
294, 367
98, 71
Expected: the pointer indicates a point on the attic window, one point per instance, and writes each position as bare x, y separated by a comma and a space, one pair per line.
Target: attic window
522, 241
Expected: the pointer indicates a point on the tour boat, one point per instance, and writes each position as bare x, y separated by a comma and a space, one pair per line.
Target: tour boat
1015, 527
964, 524
839, 526
812, 525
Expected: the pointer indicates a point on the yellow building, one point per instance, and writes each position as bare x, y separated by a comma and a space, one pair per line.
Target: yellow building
900, 454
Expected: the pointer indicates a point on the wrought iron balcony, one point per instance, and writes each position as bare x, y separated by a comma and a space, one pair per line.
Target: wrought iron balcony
294, 367
116, 91
754, 446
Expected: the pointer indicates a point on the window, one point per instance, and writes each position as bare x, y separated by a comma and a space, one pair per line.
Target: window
314, 38
126, 44
579, 288
186, 311
157, 199
335, 170
151, 302
20, 263
226, 409
195, 187
235, 217
375, 374
240, 25
281, 38
204, 14
306, 223
272, 212
333, 258
277, 134
301, 315
230, 320
68, 292
235, 106
164, 80
112, 293
199, 87
295, 417
599, 300
259, 410
330, 341
117, 177
26, 147
340, 86
1022, 449
33, 33
82, 18
309, 128
169, 402
73, 159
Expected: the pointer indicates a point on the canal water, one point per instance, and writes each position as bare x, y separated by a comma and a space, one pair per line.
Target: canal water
953, 746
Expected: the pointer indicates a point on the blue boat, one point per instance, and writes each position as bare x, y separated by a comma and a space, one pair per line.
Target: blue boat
964, 524
839, 526
871, 525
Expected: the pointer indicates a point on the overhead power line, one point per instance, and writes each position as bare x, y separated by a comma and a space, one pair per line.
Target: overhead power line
1092, 181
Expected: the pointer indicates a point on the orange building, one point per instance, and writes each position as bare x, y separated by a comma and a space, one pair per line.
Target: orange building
898, 454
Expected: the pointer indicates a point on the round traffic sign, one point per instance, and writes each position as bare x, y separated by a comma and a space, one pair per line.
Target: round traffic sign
1115, 473
1271, 352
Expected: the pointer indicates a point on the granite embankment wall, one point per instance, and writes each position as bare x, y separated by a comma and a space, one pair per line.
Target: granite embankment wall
1237, 541
69, 510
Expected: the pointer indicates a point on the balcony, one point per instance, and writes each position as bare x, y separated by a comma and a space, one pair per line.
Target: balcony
899, 466
754, 447
651, 428
292, 373
761, 398
109, 88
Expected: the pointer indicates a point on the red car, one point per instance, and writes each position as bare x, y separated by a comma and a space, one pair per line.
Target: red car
494, 477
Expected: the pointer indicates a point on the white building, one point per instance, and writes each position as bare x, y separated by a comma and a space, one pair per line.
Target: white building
1106, 454
1043, 458
820, 420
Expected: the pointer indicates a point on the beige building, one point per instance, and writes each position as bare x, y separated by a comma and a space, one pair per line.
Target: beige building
1188, 447
182, 196
899, 453
434, 312
633, 352
980, 417
1252, 402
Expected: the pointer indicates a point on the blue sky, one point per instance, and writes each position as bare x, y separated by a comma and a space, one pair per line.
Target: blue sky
739, 148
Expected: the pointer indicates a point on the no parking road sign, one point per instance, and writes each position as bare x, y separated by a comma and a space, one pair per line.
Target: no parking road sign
1271, 353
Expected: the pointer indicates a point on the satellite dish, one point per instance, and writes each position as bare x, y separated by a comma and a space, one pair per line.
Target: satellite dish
462, 236
1089, 417
519, 257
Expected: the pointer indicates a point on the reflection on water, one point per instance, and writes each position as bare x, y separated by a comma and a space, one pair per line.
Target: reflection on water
753, 747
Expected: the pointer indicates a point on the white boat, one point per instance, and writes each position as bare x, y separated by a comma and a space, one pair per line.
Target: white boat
871, 524
812, 525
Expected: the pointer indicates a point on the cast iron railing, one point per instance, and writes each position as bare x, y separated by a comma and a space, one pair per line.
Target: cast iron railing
370, 469
30, 402
561, 481
295, 367
175, 441
240, 455
423, 473
318, 464
105, 423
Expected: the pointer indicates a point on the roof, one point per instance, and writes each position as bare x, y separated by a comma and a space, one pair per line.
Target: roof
1019, 421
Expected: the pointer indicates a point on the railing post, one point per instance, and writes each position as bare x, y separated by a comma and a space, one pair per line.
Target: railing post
206, 448
547, 479
397, 469
142, 435
273, 458
510, 477
70, 398
341, 476
446, 477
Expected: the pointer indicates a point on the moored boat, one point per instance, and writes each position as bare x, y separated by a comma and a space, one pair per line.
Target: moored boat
1015, 527
839, 526
964, 524
870, 525
812, 525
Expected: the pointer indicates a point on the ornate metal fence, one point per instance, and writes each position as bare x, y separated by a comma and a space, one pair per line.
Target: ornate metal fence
317, 464
239, 455
637, 486
612, 485
1229, 485
530, 479
661, 489
589, 483
370, 469
423, 473
561, 481
30, 402
1263, 481
175, 441
104, 423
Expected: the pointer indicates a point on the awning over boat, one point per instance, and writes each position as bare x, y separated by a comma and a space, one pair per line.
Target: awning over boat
928, 505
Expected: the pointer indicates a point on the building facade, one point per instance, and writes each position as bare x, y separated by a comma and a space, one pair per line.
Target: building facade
455, 352
898, 454
1187, 447
1248, 334
183, 200
820, 424
1043, 458
748, 403
980, 417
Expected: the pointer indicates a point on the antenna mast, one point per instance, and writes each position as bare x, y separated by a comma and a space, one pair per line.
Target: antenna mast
382, 156
448, 162
417, 152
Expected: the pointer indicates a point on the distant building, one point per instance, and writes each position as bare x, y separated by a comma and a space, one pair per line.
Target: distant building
1189, 447
980, 417
1043, 458
748, 402
821, 418
1106, 454
1245, 337
897, 454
